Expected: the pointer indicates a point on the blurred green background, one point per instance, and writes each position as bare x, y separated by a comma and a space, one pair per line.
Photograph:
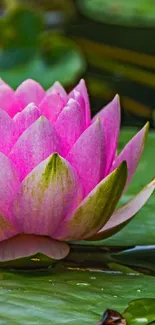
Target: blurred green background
110, 43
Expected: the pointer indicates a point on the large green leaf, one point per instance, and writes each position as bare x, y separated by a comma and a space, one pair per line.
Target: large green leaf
67, 297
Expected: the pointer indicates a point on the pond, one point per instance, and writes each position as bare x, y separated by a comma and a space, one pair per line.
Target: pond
79, 289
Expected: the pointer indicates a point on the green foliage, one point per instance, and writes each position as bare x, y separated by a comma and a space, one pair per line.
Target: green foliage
140, 311
67, 297
28, 52
19, 36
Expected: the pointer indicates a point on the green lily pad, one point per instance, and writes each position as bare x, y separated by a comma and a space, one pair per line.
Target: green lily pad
67, 297
26, 51
67, 71
133, 12
140, 311
139, 256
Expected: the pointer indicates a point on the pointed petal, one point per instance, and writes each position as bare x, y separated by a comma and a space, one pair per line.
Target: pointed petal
8, 101
87, 156
9, 181
46, 196
110, 119
79, 98
70, 124
25, 118
95, 209
7, 132
51, 106
28, 245
34, 145
124, 214
82, 89
29, 91
132, 152
57, 89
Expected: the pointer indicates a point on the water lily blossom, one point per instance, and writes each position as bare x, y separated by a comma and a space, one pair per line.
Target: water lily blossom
61, 177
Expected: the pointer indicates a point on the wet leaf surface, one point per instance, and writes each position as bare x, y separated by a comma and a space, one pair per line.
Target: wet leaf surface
67, 297
140, 311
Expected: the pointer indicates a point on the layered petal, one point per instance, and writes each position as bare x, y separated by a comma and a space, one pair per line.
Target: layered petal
29, 91
79, 98
24, 119
70, 124
51, 106
110, 119
132, 152
87, 156
82, 89
7, 132
7, 229
9, 180
46, 196
28, 245
96, 209
124, 214
8, 101
34, 145
57, 88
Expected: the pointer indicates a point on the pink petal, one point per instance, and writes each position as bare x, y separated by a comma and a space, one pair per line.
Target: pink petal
28, 245
51, 106
46, 196
79, 98
25, 118
82, 89
7, 132
2, 82
110, 119
87, 156
9, 181
132, 152
96, 209
7, 229
34, 145
70, 124
57, 89
8, 100
122, 215
29, 91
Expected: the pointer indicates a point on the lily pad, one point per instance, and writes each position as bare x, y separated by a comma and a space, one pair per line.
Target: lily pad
132, 13
67, 297
140, 311
67, 71
140, 256
26, 51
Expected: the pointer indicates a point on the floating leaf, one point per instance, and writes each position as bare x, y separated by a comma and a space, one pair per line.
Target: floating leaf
67, 297
140, 311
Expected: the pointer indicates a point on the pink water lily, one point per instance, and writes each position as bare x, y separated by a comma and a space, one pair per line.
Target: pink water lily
60, 175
